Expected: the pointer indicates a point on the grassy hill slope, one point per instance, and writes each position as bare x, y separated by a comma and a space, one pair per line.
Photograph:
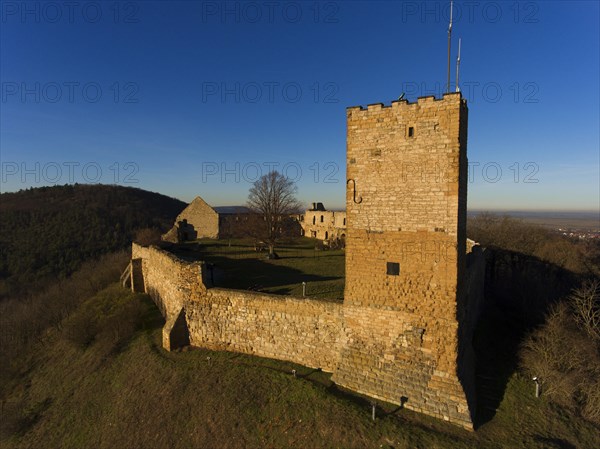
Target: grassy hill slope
102, 380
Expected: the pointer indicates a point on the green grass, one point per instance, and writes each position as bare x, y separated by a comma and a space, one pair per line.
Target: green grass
239, 266
130, 393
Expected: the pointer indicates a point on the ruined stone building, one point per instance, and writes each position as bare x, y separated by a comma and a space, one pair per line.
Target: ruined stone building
199, 220
317, 222
404, 331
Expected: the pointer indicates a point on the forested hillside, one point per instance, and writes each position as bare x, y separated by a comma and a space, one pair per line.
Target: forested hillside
511, 234
49, 231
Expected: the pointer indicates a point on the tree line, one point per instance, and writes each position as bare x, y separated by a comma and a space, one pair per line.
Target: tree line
48, 232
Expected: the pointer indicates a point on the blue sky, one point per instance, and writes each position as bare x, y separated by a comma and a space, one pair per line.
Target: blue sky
198, 98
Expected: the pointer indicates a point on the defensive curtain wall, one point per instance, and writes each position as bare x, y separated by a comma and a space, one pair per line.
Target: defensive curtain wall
413, 290
302, 330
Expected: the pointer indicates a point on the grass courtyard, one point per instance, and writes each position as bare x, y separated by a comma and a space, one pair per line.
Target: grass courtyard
239, 266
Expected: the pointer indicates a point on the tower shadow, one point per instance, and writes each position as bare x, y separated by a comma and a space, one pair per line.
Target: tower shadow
519, 292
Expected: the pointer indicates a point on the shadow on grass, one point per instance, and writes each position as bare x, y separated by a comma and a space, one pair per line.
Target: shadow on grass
330, 295
338, 392
240, 267
151, 318
315, 376
257, 274
206, 249
18, 419
519, 292
496, 344
308, 254
554, 443
322, 380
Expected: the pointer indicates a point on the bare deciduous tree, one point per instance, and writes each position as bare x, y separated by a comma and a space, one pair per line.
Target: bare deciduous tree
586, 305
563, 353
273, 197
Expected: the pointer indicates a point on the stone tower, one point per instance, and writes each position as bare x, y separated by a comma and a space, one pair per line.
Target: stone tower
407, 325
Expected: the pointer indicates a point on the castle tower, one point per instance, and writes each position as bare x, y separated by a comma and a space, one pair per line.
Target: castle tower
406, 322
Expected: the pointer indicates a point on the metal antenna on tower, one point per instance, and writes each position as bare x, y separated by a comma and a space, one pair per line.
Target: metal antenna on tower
449, 40
458, 66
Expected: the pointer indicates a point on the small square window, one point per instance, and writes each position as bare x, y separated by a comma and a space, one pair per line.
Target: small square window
393, 268
411, 131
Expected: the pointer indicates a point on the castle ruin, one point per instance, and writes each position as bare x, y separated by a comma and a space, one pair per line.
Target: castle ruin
403, 332
320, 223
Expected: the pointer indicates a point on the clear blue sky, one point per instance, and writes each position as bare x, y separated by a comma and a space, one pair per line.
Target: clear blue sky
195, 98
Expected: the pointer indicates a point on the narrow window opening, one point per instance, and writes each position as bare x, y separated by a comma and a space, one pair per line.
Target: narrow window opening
393, 268
411, 131
321, 218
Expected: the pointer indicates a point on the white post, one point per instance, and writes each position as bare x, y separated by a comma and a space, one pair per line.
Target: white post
537, 386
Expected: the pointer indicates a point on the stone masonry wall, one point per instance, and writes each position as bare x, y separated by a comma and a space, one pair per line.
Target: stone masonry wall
333, 225
203, 218
405, 244
170, 282
167, 279
301, 330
